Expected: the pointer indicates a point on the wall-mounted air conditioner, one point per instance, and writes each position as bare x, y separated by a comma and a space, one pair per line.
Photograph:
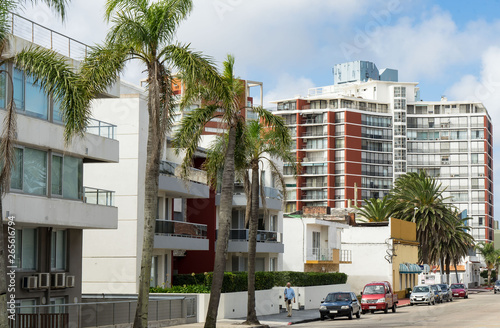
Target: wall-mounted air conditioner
30, 282
43, 280
58, 280
70, 281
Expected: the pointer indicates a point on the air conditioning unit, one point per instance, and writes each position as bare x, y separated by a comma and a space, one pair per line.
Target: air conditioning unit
58, 280
30, 282
70, 281
43, 280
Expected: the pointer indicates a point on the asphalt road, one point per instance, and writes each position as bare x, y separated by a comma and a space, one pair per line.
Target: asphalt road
479, 310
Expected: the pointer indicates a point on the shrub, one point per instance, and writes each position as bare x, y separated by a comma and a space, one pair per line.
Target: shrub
484, 274
238, 281
197, 289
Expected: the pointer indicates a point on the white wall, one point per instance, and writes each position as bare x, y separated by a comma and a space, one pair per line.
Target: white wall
293, 239
368, 248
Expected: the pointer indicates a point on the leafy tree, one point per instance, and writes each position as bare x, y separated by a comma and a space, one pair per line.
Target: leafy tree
376, 209
490, 256
226, 103
418, 197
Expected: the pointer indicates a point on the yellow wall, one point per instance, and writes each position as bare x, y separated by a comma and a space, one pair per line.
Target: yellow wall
404, 236
403, 230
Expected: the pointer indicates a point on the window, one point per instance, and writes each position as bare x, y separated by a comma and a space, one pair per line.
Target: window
154, 272
3, 88
58, 250
58, 305
28, 95
57, 115
27, 306
26, 249
57, 173
29, 173
72, 177
273, 266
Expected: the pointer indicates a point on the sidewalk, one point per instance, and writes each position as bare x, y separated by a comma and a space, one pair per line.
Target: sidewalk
272, 320
277, 320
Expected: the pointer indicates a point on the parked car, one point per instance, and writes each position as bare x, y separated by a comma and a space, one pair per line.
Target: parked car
422, 294
497, 287
447, 294
437, 293
460, 290
378, 296
340, 304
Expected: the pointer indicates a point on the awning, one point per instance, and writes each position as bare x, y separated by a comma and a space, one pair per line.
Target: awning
409, 268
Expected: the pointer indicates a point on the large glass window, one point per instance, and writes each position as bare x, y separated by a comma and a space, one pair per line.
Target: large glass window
30, 171
72, 177
58, 250
26, 249
57, 115
57, 175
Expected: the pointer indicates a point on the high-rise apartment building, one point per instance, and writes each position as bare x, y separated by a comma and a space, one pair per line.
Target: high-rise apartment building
354, 138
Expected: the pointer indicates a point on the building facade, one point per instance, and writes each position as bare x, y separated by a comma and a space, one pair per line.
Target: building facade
48, 205
355, 138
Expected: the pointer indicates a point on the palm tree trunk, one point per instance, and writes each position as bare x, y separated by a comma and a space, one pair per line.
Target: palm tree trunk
447, 261
252, 246
489, 275
3, 272
154, 147
225, 211
456, 270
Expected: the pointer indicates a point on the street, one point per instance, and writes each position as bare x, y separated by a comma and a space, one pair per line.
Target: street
480, 310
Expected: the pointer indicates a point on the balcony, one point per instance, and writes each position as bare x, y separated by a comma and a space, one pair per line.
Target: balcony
274, 197
195, 185
98, 196
180, 235
267, 241
316, 254
101, 129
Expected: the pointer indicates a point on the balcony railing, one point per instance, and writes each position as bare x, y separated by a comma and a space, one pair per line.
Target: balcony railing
47, 38
99, 196
179, 228
319, 254
239, 189
174, 169
102, 129
263, 236
345, 256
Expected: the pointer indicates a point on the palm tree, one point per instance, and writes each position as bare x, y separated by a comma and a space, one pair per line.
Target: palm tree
226, 103
255, 143
418, 197
376, 209
145, 31
490, 256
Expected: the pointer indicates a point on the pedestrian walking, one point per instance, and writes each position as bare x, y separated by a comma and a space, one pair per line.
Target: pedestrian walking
289, 295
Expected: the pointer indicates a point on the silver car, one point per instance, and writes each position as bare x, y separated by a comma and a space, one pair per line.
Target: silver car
497, 286
422, 294
447, 294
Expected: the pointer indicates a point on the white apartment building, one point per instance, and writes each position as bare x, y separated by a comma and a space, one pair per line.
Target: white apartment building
357, 136
48, 201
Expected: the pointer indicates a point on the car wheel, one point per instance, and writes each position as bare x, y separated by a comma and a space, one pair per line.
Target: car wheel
434, 302
321, 317
350, 315
495, 291
466, 296
451, 299
372, 311
411, 304
394, 308
332, 317
363, 312
358, 315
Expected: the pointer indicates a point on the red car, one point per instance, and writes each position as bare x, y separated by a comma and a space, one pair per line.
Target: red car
459, 290
378, 296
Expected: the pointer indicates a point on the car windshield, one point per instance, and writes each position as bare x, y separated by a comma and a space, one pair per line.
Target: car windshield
457, 286
374, 289
443, 287
497, 283
421, 289
338, 297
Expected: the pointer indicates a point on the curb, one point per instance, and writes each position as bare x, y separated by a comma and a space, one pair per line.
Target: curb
303, 321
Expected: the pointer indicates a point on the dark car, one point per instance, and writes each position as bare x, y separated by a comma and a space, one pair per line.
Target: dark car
446, 292
497, 286
437, 293
340, 304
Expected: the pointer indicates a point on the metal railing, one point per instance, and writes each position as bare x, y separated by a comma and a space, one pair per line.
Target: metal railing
97, 314
319, 254
98, 196
263, 236
345, 255
270, 192
184, 229
101, 129
47, 38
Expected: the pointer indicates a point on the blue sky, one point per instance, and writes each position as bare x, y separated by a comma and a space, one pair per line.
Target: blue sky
451, 48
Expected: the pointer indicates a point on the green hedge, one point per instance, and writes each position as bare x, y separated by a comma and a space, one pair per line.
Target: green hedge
238, 281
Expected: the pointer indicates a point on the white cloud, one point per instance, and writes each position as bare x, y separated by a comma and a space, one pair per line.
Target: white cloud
286, 87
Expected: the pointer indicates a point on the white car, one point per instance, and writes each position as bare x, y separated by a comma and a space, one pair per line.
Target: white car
422, 294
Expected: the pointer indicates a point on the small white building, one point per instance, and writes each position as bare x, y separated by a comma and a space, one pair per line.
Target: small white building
313, 242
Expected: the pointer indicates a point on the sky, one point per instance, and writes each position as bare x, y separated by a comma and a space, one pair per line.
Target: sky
451, 48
